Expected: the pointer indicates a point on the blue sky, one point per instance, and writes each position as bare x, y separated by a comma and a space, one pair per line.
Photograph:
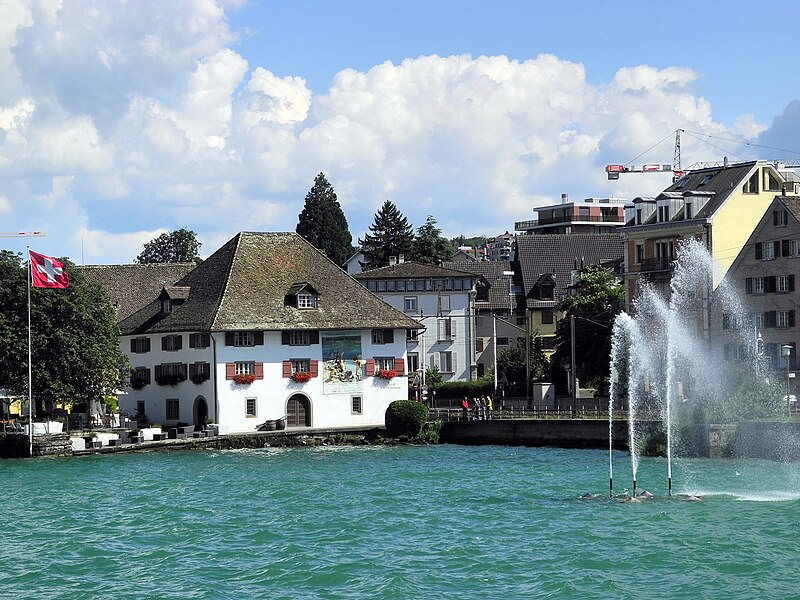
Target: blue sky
122, 120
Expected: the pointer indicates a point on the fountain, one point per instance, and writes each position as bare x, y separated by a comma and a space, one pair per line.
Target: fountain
667, 361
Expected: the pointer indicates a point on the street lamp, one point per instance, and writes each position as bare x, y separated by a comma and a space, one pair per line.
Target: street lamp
786, 351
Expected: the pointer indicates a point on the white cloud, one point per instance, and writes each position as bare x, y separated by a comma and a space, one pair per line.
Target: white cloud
133, 118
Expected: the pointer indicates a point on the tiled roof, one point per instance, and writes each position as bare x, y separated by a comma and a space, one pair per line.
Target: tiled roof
411, 269
557, 254
243, 285
132, 286
492, 272
792, 203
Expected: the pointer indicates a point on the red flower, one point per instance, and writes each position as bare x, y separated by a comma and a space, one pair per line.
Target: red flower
243, 379
387, 374
301, 376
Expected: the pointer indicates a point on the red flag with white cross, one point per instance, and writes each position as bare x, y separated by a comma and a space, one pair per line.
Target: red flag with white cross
47, 272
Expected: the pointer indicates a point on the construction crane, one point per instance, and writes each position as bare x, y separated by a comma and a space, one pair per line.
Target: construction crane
22, 234
614, 171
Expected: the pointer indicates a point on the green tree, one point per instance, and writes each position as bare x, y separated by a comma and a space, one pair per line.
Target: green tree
390, 235
180, 245
429, 246
511, 364
323, 224
595, 302
74, 344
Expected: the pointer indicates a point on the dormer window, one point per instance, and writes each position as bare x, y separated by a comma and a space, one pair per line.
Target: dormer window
303, 296
306, 300
166, 306
689, 212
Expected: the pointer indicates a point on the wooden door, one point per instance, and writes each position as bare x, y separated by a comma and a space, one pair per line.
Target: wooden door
297, 412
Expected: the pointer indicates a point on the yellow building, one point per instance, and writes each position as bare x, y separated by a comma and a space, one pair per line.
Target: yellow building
720, 206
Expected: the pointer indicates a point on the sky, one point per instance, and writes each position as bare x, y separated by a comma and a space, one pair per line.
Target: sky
123, 119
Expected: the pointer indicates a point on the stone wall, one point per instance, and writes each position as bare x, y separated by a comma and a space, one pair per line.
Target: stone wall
14, 445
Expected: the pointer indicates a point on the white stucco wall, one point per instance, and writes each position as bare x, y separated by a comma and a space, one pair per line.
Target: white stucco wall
272, 392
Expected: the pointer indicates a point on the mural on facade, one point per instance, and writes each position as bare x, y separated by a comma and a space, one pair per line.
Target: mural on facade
341, 363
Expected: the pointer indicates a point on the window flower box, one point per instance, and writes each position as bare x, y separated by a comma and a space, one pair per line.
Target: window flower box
301, 376
244, 379
198, 378
387, 374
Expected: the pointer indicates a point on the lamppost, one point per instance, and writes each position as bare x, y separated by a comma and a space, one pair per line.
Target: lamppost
786, 351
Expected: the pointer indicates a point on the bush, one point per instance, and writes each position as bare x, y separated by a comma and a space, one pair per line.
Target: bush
405, 417
459, 389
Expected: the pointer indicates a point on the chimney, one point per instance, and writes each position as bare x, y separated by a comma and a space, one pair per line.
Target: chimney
392, 260
564, 198
724, 162
401, 258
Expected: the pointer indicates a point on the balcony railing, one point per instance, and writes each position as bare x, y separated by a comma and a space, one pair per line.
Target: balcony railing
522, 225
664, 263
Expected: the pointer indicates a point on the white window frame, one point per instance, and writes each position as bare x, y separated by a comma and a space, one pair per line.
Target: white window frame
444, 303
412, 362
378, 338
300, 365
245, 367
758, 285
767, 251
384, 363
139, 345
201, 368
166, 306
243, 339
447, 361
306, 300
299, 337
782, 319
248, 411
356, 405
410, 304
445, 329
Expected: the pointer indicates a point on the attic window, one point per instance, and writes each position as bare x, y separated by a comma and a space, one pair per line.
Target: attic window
681, 183
546, 291
706, 178
166, 306
306, 300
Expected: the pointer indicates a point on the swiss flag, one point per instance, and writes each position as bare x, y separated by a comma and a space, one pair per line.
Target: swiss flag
47, 272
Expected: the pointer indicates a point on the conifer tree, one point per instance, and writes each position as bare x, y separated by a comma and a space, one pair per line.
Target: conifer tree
429, 246
390, 235
323, 224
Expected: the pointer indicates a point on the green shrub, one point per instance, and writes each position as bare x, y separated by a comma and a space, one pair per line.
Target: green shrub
430, 432
405, 417
459, 389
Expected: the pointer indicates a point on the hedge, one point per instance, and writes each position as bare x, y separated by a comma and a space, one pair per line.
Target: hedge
405, 417
459, 389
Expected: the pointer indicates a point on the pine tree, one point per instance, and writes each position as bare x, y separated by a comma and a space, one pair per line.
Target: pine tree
429, 246
323, 224
390, 235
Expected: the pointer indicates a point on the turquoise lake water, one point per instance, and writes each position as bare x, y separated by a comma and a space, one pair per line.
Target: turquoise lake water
394, 522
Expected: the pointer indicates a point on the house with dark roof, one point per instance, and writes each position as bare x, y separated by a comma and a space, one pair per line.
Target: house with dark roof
499, 309
549, 264
765, 275
719, 205
265, 327
442, 301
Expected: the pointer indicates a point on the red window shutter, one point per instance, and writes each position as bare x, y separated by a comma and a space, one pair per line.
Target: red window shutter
400, 366
229, 338
230, 370
259, 370
258, 338
287, 368
314, 367
370, 364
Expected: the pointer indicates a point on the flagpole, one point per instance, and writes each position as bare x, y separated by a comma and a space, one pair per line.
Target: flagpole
30, 369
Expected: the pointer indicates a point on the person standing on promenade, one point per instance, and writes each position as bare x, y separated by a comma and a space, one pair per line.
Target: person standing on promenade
489, 406
465, 408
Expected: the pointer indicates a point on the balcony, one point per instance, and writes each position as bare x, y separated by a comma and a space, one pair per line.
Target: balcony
566, 219
651, 265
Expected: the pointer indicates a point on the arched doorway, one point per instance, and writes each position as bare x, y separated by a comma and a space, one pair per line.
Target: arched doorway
200, 411
298, 411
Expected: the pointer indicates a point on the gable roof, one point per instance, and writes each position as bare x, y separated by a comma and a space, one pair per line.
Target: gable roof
556, 254
132, 286
243, 286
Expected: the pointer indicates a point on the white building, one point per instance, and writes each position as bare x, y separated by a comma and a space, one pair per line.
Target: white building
443, 302
266, 327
